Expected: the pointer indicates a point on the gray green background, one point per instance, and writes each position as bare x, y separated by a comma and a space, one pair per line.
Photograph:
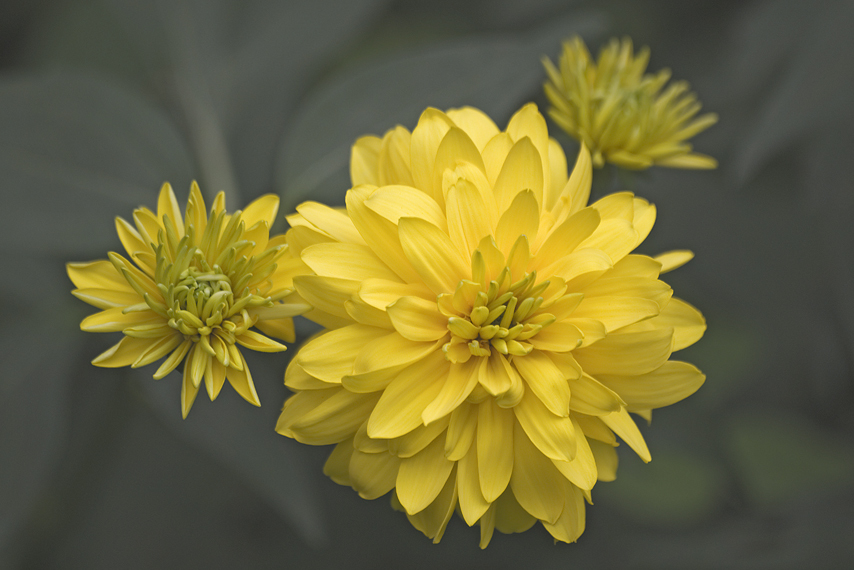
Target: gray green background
102, 101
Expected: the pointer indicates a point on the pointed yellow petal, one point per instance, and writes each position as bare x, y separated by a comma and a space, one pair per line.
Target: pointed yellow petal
522, 218
581, 471
363, 160
331, 355
593, 398
461, 380
494, 449
475, 123
334, 419
625, 427
422, 476
461, 430
536, 483
456, 147
668, 384
546, 381
627, 354
263, 209
372, 475
577, 189
426, 138
331, 221
417, 319
393, 164
432, 254
468, 222
326, 294
472, 503
241, 381
189, 390
113, 319
606, 460
346, 261
675, 259
522, 170
554, 436
433, 520
570, 525
123, 353
167, 206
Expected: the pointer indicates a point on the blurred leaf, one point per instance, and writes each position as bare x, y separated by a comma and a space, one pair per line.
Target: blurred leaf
677, 487
33, 400
242, 437
496, 75
230, 70
76, 151
814, 89
784, 456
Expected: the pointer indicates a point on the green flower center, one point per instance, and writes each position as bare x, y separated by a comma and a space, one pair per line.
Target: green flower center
502, 317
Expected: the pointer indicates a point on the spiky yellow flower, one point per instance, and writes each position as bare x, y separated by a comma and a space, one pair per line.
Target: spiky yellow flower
622, 114
489, 331
193, 289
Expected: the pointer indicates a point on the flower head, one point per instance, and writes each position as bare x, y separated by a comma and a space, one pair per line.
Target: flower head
192, 291
489, 331
623, 115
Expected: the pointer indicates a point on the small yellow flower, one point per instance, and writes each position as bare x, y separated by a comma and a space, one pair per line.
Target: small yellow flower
193, 289
489, 332
622, 114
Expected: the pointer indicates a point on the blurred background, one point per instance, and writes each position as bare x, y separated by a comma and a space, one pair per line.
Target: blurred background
102, 101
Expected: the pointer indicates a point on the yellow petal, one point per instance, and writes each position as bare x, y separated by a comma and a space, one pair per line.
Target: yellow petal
558, 337
536, 483
263, 209
364, 156
616, 312
422, 476
668, 384
334, 419
627, 354
671, 260
393, 163
577, 189
592, 398
554, 436
99, 274
167, 206
337, 466
417, 319
625, 427
687, 322
557, 175
241, 381
476, 124
331, 221
468, 222
566, 237
123, 353
107, 298
380, 359
456, 147
472, 503
372, 475
494, 154
399, 409
254, 341
426, 138
546, 381
189, 390
326, 294
510, 516
615, 237
113, 319
462, 426
581, 471
432, 254
522, 218
494, 449
606, 460
433, 520
570, 525
380, 293
522, 170
346, 261
461, 380
580, 267
331, 355
396, 202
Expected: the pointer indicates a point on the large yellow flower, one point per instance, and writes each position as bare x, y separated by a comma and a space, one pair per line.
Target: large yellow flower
622, 114
193, 289
489, 331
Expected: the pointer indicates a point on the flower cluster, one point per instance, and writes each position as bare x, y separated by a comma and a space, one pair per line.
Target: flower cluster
623, 115
488, 330
193, 289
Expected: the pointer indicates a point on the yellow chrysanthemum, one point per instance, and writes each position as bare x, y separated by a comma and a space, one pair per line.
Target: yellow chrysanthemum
490, 332
622, 114
194, 289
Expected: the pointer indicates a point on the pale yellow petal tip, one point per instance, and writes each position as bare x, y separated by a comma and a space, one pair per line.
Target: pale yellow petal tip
675, 259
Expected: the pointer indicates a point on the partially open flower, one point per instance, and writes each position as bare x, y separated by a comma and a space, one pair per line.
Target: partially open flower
623, 115
489, 331
192, 291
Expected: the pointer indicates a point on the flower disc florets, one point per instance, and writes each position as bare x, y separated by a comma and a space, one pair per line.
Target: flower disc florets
623, 115
488, 331
197, 287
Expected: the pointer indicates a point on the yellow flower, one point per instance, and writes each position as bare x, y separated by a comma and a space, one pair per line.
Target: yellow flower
193, 289
489, 331
622, 114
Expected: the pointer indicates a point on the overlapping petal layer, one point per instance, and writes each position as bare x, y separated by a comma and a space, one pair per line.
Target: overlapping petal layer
488, 331
625, 116
191, 289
